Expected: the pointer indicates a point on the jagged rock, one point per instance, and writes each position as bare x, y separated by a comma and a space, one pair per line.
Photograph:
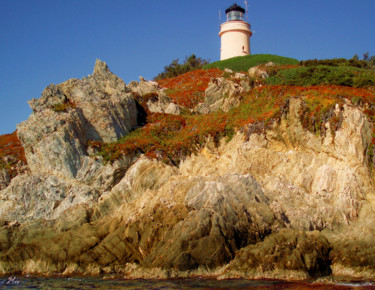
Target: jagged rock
31, 197
224, 93
11, 168
55, 138
144, 87
51, 97
225, 214
286, 251
353, 246
238, 75
98, 107
163, 104
291, 164
259, 71
218, 89
103, 177
154, 96
4, 179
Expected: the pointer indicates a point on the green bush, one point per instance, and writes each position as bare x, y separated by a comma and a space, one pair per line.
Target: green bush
367, 62
176, 69
336, 62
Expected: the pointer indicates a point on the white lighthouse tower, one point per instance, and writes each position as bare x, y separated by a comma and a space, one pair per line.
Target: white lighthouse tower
235, 33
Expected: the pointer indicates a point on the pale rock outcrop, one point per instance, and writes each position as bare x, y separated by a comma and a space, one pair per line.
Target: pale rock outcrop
224, 93
154, 96
63, 174
144, 87
260, 70
93, 172
39, 196
291, 164
224, 215
99, 107
10, 166
4, 179
164, 105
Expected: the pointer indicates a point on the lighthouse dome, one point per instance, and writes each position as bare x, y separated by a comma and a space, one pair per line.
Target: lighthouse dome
235, 7
235, 12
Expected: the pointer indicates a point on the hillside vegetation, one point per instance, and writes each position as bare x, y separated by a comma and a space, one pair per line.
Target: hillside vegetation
171, 138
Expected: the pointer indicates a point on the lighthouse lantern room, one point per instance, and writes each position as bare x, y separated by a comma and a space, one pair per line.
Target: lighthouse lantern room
235, 33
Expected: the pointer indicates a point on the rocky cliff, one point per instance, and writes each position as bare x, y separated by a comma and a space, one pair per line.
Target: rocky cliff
274, 201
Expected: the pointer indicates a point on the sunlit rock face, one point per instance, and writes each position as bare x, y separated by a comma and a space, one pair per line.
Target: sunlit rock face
281, 202
55, 138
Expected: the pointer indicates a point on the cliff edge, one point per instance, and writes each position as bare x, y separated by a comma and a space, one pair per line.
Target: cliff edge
270, 199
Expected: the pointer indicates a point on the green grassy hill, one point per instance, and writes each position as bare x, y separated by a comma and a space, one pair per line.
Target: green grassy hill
243, 63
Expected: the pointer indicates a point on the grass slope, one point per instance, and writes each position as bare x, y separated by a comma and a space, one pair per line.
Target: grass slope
243, 63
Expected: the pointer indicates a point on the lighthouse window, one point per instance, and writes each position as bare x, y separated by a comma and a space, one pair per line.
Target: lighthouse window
235, 15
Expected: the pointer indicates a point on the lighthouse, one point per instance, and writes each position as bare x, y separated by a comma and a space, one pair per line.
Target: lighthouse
235, 33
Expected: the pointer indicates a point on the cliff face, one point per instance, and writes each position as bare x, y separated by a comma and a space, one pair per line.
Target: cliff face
280, 202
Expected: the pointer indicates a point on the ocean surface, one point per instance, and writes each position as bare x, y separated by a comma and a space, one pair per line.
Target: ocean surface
28, 282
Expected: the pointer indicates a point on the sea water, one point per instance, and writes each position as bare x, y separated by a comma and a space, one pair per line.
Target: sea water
28, 282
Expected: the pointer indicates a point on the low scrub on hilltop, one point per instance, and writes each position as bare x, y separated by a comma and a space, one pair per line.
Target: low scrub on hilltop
367, 62
324, 75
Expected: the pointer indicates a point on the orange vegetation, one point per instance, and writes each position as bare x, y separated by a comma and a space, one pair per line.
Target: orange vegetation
188, 89
170, 138
11, 145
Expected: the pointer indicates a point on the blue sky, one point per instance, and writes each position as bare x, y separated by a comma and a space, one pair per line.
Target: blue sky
50, 41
